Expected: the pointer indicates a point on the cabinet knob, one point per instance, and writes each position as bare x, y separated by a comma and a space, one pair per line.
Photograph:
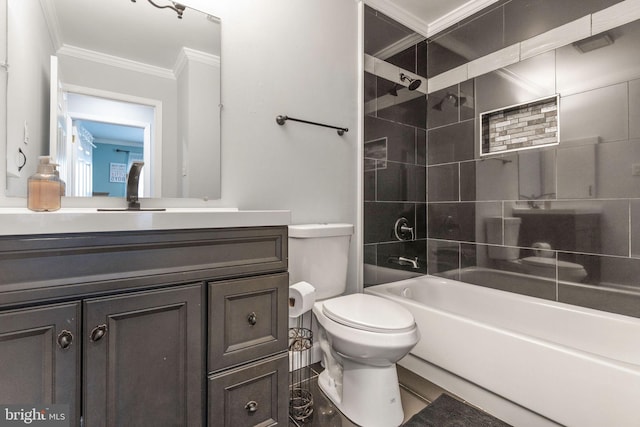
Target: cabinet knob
65, 338
98, 332
251, 406
252, 319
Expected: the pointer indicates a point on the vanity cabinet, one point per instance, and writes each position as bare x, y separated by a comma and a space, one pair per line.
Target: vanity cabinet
40, 356
143, 358
250, 395
246, 319
248, 333
147, 328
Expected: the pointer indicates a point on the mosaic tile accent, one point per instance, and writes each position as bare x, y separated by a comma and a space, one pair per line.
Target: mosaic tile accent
523, 126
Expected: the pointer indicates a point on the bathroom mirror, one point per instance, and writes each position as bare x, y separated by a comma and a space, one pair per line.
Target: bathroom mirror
109, 59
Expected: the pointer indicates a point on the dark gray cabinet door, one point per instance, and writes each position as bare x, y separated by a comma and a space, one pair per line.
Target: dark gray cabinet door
39, 356
144, 359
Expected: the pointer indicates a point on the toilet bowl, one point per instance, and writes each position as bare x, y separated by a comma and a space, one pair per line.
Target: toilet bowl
362, 337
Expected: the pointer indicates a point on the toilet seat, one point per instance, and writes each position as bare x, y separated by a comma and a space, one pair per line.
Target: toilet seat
547, 267
369, 313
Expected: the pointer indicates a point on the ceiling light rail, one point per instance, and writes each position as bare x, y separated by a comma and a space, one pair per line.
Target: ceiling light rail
282, 119
176, 7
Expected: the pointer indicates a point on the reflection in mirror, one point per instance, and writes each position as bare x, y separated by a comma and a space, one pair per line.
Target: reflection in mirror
530, 79
104, 143
115, 54
564, 222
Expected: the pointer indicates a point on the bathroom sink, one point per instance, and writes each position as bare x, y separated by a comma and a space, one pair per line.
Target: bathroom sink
19, 221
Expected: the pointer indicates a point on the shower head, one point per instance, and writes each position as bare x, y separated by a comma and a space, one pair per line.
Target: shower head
413, 83
455, 99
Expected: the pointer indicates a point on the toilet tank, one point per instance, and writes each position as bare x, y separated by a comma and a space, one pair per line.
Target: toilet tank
319, 254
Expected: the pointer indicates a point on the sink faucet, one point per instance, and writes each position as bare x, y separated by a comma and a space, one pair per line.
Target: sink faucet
133, 179
533, 200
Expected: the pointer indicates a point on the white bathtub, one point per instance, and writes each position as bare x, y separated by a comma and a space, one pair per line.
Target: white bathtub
575, 366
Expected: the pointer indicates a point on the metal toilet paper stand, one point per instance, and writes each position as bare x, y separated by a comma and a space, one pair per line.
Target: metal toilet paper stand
300, 343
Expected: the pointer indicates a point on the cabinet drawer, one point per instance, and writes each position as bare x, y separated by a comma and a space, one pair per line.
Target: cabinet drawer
247, 319
255, 395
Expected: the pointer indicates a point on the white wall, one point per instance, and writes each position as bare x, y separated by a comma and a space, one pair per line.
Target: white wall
199, 129
29, 52
298, 58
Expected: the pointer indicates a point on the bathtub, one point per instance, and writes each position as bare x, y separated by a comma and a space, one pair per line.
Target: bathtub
570, 365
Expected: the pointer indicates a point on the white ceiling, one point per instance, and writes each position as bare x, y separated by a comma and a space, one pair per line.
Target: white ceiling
134, 31
429, 17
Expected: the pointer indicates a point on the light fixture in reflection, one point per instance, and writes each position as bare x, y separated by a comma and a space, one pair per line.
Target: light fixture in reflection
593, 42
176, 7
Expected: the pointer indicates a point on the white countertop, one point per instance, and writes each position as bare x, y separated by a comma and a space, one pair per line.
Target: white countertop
21, 221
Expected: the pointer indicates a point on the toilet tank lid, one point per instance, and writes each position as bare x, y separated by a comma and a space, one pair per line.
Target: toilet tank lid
320, 230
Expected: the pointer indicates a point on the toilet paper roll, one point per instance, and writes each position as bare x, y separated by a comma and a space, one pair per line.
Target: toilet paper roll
542, 249
302, 295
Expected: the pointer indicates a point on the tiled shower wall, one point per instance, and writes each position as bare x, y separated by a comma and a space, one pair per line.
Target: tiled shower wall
581, 197
395, 176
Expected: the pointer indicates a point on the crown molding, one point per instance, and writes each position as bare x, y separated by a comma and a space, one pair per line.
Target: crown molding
428, 29
457, 15
51, 18
115, 61
399, 46
187, 55
400, 15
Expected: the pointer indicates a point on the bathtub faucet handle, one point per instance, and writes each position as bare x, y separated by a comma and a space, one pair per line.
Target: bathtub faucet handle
402, 229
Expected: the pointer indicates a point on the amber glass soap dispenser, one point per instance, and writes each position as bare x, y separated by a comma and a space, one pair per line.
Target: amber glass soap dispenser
44, 187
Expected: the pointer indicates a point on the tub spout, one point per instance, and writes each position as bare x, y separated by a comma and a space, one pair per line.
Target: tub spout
404, 261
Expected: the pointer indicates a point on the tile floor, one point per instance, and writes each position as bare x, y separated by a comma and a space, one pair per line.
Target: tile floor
326, 415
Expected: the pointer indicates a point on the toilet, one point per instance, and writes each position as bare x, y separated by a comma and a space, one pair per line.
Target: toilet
361, 336
543, 263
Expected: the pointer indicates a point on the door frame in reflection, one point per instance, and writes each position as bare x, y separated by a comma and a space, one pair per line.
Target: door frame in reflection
152, 173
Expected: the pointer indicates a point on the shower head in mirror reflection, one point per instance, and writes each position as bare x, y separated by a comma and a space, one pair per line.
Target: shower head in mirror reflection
452, 98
